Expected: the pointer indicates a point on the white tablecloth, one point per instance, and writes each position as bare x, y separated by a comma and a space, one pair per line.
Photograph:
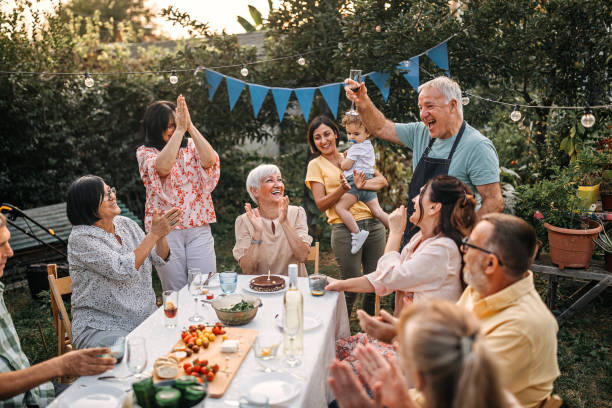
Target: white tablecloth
319, 346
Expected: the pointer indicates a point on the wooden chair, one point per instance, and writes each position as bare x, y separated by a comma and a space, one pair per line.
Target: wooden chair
63, 328
553, 401
313, 255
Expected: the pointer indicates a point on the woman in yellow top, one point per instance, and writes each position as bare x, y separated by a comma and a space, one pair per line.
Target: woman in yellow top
326, 180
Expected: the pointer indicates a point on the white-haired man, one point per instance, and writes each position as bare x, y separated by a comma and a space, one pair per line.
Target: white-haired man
22, 385
459, 149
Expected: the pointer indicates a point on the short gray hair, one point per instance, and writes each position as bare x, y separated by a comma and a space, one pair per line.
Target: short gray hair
449, 88
257, 174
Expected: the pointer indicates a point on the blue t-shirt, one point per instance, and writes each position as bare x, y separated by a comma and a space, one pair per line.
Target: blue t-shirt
475, 160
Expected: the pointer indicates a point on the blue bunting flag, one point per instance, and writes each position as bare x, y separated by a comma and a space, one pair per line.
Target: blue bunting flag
258, 94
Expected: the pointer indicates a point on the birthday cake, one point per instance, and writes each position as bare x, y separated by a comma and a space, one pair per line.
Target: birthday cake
263, 283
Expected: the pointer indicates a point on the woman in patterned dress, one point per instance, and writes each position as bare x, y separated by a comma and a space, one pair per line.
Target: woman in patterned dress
179, 172
110, 260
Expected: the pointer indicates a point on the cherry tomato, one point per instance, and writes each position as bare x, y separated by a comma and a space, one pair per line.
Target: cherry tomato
192, 328
201, 327
210, 296
210, 377
204, 370
215, 368
204, 362
186, 366
200, 380
219, 324
196, 362
188, 370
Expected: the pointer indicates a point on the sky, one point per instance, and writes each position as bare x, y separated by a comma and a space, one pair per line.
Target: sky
219, 14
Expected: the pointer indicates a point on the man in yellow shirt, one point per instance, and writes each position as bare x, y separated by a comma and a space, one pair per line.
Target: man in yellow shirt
517, 325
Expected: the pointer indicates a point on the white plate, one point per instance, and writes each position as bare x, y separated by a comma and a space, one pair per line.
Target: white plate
245, 286
94, 396
310, 321
275, 386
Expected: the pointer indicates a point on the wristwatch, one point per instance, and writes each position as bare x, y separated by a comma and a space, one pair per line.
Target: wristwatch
256, 241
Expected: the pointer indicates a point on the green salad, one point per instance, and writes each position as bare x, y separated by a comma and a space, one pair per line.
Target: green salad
239, 307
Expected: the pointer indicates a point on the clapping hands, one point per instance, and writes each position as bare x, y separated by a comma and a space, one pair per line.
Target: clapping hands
162, 225
182, 117
254, 218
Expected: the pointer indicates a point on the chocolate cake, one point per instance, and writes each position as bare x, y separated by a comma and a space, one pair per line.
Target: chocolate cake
262, 284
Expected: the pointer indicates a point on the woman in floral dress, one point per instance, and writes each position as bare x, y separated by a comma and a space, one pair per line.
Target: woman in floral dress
179, 172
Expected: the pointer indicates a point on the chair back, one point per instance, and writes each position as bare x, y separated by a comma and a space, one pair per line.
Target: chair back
553, 401
313, 255
63, 327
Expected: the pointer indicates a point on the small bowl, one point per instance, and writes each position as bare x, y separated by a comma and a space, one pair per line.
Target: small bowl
238, 318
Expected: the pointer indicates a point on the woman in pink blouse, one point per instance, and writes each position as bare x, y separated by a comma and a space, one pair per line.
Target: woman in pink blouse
430, 265
179, 172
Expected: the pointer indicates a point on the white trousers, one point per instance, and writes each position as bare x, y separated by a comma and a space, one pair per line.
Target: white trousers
189, 248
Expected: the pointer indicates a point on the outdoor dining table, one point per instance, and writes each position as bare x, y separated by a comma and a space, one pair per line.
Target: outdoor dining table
311, 374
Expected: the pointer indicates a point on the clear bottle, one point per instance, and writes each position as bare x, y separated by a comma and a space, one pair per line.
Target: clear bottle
293, 332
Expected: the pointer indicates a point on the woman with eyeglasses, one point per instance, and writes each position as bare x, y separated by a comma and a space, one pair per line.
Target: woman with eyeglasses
110, 259
179, 172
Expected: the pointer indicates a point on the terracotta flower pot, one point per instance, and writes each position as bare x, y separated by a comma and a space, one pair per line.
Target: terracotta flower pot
572, 248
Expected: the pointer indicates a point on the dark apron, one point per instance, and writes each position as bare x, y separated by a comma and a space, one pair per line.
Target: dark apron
426, 169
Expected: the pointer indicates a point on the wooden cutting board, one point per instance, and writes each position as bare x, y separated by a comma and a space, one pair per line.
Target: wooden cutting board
229, 363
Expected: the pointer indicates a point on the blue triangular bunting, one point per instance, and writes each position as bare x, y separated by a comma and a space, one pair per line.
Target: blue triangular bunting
281, 99
439, 55
214, 79
331, 94
258, 94
234, 89
304, 97
411, 69
381, 79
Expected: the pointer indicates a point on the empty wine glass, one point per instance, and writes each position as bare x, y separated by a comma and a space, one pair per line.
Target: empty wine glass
292, 327
355, 75
195, 280
136, 355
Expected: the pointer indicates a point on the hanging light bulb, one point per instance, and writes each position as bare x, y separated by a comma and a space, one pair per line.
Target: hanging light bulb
465, 99
378, 29
301, 60
244, 71
173, 78
89, 82
587, 120
516, 114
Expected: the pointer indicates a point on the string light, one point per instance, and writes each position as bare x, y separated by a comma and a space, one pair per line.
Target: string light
465, 99
516, 114
378, 29
301, 60
173, 78
587, 120
244, 71
89, 82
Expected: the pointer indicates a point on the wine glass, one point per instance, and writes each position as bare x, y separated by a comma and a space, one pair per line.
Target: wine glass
195, 280
355, 75
136, 355
292, 327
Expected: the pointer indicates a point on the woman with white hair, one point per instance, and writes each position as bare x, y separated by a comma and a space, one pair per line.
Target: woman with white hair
275, 234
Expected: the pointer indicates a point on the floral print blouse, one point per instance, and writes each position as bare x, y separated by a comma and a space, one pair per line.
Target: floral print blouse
188, 186
108, 292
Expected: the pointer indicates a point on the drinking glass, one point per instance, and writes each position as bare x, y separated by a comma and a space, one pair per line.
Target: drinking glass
266, 345
317, 284
355, 75
292, 330
170, 298
116, 345
228, 281
136, 355
195, 280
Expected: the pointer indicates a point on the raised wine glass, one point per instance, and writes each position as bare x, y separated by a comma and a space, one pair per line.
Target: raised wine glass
195, 280
355, 75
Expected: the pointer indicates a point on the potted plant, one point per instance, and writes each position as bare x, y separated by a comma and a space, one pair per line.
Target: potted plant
552, 202
604, 241
587, 168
